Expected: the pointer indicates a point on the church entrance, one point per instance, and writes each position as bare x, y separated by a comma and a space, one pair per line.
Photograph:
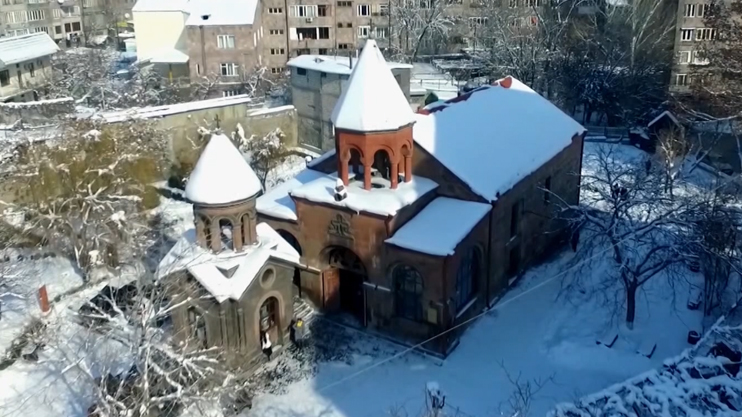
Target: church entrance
343, 283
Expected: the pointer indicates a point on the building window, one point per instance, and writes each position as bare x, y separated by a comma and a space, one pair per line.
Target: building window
229, 69
477, 21
322, 10
275, 32
466, 278
225, 41
705, 34
4, 78
702, 9
345, 46
38, 29
533, 20
76, 26
681, 79
408, 291
698, 58
345, 4
31, 69
230, 93
277, 70
515, 212
349, 25
36, 14
689, 10
364, 10
275, 10
686, 35
363, 31
303, 11
512, 4
277, 51
547, 190
301, 71
532, 3
67, 27
381, 33
517, 22
383, 9
684, 57
324, 33
58, 30
323, 51
197, 325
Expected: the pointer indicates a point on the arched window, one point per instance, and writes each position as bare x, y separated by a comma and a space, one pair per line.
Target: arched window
268, 314
207, 231
197, 324
382, 164
408, 290
356, 167
288, 237
225, 228
466, 278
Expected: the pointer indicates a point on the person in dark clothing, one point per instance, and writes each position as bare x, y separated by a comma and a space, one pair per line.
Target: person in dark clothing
292, 332
300, 331
265, 344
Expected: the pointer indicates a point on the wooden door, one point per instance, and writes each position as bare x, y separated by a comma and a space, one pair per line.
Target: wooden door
331, 289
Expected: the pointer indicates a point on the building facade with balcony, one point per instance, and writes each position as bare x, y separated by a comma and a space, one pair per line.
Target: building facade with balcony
690, 35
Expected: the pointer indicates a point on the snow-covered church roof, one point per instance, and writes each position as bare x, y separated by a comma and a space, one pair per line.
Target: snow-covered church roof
208, 267
372, 100
221, 175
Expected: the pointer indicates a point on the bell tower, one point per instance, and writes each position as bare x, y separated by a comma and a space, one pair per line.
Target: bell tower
373, 123
223, 189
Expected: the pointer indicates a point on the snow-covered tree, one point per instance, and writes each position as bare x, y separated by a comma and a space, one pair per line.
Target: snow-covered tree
88, 75
624, 213
672, 149
415, 24
89, 190
618, 60
266, 153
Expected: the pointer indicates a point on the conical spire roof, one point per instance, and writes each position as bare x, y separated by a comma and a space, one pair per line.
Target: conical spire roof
221, 175
372, 100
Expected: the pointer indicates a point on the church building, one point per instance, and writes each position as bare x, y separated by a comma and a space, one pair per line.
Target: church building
416, 222
230, 277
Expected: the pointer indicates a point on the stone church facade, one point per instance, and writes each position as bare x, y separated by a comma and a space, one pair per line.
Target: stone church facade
368, 217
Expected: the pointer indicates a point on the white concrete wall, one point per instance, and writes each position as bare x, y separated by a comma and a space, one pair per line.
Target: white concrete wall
42, 75
158, 31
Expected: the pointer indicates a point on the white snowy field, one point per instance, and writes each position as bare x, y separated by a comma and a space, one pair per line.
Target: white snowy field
533, 333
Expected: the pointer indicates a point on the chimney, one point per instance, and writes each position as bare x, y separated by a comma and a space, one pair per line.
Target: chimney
350, 60
341, 193
43, 300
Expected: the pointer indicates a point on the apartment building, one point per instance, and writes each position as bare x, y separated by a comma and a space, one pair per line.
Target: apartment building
25, 65
321, 27
224, 37
65, 21
690, 34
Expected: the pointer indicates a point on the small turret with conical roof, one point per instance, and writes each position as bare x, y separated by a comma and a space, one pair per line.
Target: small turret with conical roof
223, 189
373, 122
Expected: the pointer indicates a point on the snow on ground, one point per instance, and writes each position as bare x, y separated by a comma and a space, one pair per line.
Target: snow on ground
19, 285
531, 333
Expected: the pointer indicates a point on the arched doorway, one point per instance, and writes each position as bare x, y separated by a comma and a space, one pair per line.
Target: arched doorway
343, 282
269, 319
291, 239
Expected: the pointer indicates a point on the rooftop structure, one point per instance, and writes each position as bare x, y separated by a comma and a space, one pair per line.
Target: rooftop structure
372, 100
26, 48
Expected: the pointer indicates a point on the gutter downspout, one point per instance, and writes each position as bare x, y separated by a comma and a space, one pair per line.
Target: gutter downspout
487, 285
203, 48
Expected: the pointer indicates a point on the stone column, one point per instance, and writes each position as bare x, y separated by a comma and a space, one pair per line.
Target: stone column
408, 168
237, 240
367, 166
394, 174
343, 160
200, 235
